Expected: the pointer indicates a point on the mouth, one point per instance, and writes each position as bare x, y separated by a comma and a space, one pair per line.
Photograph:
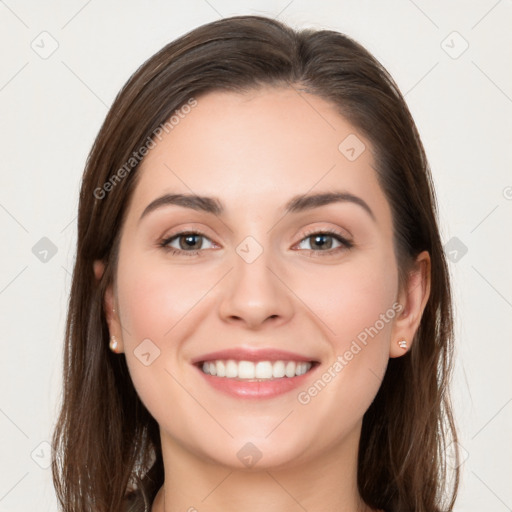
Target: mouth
255, 371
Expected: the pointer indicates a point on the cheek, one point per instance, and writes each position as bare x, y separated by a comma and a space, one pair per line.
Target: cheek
352, 298
154, 297
349, 381
357, 309
161, 307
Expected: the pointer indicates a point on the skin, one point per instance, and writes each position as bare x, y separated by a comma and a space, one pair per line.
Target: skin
254, 152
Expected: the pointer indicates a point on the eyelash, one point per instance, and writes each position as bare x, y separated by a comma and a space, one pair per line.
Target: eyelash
345, 244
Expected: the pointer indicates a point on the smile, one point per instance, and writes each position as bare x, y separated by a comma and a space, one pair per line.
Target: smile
255, 370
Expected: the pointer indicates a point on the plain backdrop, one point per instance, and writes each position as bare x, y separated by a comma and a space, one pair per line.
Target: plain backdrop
62, 65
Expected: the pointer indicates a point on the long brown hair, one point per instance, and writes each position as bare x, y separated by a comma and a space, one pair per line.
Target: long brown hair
105, 441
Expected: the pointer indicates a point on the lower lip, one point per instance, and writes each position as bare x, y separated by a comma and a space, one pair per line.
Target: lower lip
256, 389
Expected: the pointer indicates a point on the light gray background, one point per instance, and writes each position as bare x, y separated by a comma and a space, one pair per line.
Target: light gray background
52, 106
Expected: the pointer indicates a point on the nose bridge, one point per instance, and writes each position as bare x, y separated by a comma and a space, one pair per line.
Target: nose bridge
255, 292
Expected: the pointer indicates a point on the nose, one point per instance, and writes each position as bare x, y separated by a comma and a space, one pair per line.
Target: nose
255, 294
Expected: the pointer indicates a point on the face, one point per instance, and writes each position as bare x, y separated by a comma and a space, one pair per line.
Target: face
258, 280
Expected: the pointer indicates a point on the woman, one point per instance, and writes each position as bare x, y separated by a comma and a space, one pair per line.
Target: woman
260, 315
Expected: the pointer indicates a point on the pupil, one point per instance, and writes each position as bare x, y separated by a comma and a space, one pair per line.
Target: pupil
189, 241
324, 244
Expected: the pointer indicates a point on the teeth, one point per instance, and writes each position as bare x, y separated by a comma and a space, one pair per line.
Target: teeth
249, 370
290, 369
221, 369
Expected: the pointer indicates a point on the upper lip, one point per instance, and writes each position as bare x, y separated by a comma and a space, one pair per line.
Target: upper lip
248, 354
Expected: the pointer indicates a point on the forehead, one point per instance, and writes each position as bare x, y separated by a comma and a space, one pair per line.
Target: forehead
256, 148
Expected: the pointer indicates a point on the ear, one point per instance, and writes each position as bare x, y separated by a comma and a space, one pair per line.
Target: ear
413, 297
109, 307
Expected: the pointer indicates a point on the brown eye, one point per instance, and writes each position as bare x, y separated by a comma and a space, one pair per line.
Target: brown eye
325, 241
185, 242
190, 241
321, 241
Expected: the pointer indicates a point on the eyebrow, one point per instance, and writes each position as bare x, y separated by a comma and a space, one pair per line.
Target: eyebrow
297, 204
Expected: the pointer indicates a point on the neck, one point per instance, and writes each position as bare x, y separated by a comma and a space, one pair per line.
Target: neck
326, 483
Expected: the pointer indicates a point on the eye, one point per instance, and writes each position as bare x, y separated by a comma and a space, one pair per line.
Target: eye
191, 243
325, 242
185, 242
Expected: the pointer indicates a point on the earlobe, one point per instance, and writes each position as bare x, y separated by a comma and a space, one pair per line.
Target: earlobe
413, 297
98, 268
114, 326
114, 345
